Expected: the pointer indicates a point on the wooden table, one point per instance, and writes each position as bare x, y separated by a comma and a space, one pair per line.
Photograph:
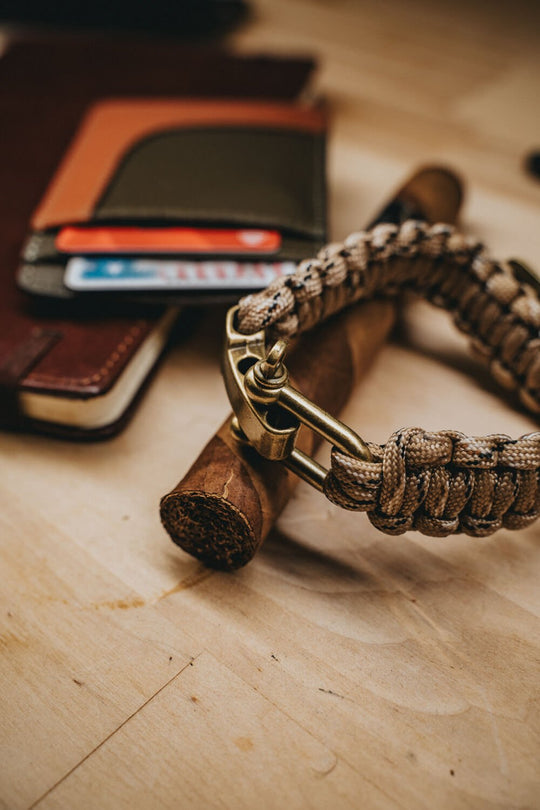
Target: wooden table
342, 668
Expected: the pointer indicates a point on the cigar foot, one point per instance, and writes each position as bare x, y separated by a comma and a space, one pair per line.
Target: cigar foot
209, 528
215, 512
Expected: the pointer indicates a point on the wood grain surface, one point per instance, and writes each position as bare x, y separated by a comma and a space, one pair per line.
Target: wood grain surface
341, 668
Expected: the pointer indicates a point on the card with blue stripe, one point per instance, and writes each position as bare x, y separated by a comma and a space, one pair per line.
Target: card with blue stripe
123, 274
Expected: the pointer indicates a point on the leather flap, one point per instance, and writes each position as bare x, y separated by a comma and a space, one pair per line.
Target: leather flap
112, 129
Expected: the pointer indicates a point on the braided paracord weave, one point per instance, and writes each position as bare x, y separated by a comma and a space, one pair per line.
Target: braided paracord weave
442, 482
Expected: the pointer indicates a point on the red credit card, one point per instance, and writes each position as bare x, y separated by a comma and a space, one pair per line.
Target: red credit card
166, 240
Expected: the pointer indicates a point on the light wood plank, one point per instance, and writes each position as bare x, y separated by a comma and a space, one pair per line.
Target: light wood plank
232, 748
78, 655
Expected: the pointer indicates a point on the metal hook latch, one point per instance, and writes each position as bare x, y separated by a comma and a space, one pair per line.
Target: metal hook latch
269, 411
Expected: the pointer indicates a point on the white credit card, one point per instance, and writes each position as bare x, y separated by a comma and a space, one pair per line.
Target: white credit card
106, 274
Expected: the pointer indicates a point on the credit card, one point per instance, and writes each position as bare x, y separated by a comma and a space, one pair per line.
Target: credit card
166, 240
108, 275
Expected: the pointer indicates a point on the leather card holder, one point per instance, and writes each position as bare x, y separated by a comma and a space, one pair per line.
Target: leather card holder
202, 163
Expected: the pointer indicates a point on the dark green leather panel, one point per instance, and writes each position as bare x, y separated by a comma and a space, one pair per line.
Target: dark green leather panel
246, 177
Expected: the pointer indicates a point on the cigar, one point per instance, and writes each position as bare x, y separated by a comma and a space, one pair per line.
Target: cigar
224, 507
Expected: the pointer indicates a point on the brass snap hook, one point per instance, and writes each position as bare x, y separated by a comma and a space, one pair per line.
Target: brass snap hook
269, 411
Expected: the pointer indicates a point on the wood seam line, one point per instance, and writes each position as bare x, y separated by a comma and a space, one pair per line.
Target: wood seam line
116, 730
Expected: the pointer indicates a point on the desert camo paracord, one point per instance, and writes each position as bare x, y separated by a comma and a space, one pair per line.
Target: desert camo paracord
442, 482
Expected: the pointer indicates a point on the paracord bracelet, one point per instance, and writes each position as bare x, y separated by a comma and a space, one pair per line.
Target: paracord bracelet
438, 483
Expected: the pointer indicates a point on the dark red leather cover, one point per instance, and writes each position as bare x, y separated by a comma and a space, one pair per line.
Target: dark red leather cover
45, 87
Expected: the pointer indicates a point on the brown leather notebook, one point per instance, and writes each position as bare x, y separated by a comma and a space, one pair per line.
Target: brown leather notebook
70, 368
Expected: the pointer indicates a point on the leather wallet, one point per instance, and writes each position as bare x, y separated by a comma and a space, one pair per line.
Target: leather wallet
67, 368
202, 163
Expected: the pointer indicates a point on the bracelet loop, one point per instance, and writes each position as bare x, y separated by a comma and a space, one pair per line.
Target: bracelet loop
438, 483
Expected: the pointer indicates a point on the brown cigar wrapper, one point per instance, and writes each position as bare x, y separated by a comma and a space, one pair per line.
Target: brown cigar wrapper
228, 501
230, 498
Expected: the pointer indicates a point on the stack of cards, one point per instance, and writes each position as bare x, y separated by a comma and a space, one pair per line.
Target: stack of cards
108, 259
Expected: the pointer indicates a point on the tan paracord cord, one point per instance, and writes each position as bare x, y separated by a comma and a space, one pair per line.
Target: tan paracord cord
439, 482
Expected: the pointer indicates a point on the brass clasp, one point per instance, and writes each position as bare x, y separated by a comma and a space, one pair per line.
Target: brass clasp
269, 411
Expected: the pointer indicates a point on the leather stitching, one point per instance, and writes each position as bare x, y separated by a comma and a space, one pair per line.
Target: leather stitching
105, 369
